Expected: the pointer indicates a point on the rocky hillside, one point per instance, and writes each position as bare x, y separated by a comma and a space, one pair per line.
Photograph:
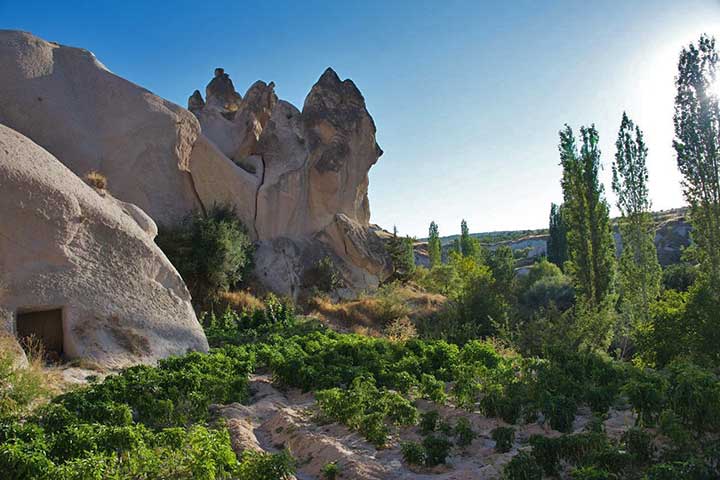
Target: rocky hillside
672, 235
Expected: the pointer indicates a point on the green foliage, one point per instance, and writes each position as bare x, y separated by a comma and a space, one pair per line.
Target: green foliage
434, 246
429, 422
365, 408
464, 434
679, 276
211, 251
19, 387
504, 438
557, 246
591, 473
697, 143
265, 466
432, 388
522, 467
233, 328
646, 392
413, 453
639, 444
330, 471
437, 448
591, 248
468, 245
323, 276
177, 392
402, 256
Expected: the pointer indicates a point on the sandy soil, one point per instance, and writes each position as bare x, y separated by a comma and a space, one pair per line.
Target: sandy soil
274, 420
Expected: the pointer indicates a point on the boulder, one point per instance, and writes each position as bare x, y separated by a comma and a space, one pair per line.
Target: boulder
80, 268
90, 119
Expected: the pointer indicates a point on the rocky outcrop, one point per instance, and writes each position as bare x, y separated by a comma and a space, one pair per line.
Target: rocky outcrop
89, 262
293, 177
312, 176
65, 100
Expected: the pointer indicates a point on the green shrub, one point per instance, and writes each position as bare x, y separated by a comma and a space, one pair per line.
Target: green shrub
591, 473
429, 422
323, 275
365, 408
559, 411
638, 443
646, 392
432, 389
413, 453
464, 434
211, 251
437, 448
504, 438
330, 471
686, 470
265, 466
522, 467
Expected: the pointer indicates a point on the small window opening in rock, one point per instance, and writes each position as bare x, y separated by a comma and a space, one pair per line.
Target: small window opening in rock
42, 329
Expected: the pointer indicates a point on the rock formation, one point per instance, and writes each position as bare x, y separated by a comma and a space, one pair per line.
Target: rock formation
312, 167
298, 180
90, 259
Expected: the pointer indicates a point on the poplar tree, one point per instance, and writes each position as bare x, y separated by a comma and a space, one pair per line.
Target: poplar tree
469, 247
557, 237
639, 270
697, 139
591, 249
434, 247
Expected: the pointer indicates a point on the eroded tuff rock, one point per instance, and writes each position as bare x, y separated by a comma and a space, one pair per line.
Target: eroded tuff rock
87, 260
65, 100
312, 170
293, 176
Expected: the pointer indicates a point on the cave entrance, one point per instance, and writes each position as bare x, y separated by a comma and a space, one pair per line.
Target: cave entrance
45, 327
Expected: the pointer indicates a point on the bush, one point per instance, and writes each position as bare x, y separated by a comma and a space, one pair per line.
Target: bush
429, 422
330, 471
591, 473
20, 386
679, 277
504, 438
211, 251
522, 467
639, 444
323, 275
464, 434
432, 389
365, 408
413, 453
437, 448
96, 180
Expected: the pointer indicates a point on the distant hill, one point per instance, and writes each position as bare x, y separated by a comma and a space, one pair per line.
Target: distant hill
671, 237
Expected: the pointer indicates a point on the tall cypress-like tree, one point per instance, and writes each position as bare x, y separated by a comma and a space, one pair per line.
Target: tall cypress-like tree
591, 249
640, 272
468, 245
434, 247
557, 239
697, 145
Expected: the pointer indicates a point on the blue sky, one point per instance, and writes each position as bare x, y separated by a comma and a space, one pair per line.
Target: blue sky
468, 96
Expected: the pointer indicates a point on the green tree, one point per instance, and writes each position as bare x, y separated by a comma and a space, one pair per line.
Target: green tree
211, 251
402, 255
502, 264
557, 249
591, 248
639, 269
467, 248
697, 145
434, 247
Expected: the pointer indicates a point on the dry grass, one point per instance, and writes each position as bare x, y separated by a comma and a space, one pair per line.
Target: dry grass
25, 386
96, 180
380, 312
240, 301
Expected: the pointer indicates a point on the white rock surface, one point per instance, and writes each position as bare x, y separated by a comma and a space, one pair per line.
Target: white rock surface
64, 245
